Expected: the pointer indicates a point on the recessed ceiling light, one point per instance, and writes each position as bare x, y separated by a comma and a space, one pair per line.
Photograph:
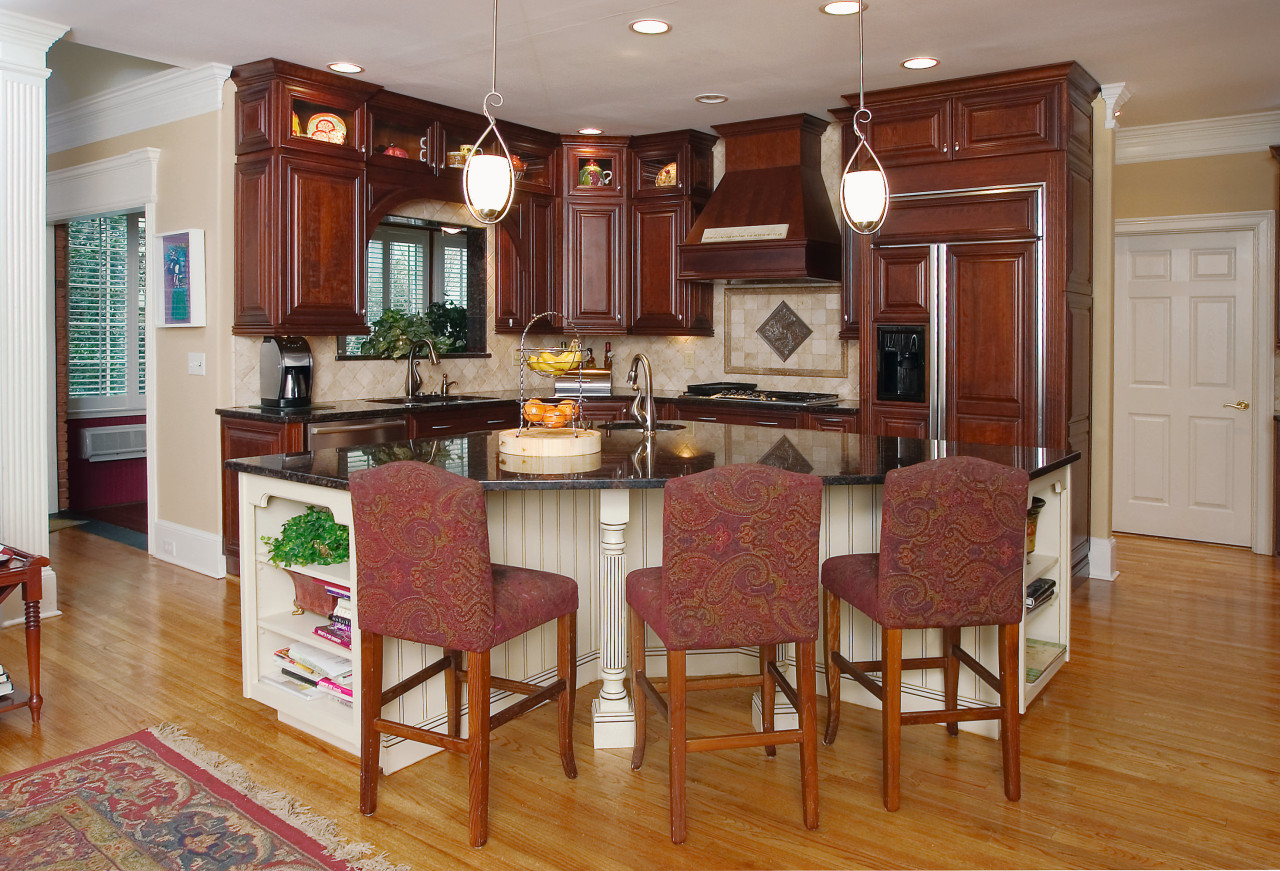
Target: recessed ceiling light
920, 63
590, 131
842, 7
342, 66
650, 25
711, 98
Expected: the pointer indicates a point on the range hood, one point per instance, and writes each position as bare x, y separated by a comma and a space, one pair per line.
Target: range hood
770, 218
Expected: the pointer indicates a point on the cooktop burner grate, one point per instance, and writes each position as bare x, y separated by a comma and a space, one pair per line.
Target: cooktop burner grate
782, 397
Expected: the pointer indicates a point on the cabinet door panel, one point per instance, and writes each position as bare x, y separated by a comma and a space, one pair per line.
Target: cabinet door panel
901, 423
326, 233
526, 266
257, 278
249, 438
660, 303
991, 321
911, 131
594, 273
901, 286
1010, 120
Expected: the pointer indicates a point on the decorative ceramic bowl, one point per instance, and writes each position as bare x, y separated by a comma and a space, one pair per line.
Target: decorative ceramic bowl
666, 176
327, 127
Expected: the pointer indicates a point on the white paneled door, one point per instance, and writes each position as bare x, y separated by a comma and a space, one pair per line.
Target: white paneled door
1183, 383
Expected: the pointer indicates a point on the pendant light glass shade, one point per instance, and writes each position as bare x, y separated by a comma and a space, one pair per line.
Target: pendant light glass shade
489, 180
864, 188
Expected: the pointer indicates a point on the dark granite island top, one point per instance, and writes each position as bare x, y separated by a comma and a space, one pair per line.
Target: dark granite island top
626, 461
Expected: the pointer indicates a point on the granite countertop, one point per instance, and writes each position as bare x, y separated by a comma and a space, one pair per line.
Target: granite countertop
356, 409
629, 461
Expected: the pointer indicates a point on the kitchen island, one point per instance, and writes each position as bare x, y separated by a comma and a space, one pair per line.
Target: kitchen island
595, 519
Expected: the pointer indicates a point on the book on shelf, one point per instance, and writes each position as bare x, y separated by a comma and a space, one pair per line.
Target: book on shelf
294, 687
335, 632
1039, 655
282, 656
300, 676
342, 612
332, 687
6, 687
1040, 590
323, 662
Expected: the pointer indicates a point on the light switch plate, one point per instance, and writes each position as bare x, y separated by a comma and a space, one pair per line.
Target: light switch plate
195, 363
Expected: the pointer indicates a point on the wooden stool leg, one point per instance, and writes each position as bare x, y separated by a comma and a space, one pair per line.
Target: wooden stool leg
1010, 742
676, 679
31, 610
453, 692
807, 678
370, 708
638, 700
768, 692
951, 674
831, 638
566, 670
478, 747
891, 713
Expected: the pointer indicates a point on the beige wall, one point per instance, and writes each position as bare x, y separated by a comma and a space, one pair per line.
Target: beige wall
1104, 147
194, 188
1196, 186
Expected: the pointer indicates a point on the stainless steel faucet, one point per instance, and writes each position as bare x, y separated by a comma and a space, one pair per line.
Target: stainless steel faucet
642, 405
412, 380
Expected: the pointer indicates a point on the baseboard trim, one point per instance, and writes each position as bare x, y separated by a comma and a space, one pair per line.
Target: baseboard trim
192, 549
1102, 559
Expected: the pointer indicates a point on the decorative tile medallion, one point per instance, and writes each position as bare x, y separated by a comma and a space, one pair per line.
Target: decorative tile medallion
783, 331
786, 456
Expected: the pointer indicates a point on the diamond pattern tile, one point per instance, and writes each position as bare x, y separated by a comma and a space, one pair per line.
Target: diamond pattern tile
784, 331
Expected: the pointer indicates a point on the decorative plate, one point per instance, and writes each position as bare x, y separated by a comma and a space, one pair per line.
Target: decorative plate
666, 176
327, 127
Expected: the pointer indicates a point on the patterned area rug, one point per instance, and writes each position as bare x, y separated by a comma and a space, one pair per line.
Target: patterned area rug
158, 800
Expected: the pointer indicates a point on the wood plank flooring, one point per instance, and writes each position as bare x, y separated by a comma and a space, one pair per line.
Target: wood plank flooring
1157, 746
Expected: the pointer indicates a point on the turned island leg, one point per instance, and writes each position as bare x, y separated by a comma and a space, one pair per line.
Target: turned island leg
611, 712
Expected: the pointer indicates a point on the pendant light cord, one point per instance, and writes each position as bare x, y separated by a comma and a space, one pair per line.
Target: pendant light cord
493, 97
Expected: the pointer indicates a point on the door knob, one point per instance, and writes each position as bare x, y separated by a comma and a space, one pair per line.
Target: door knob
1242, 404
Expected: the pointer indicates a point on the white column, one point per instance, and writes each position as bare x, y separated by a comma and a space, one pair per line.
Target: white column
614, 718
24, 323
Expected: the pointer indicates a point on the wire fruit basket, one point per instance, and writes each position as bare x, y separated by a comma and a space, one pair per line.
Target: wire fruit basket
549, 363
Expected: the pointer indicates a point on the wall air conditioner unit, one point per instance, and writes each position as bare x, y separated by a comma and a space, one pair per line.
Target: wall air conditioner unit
101, 443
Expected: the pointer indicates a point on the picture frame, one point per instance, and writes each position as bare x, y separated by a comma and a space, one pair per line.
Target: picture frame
182, 298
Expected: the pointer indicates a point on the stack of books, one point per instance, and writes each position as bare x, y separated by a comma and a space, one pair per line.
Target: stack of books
314, 672
339, 628
6, 685
1040, 591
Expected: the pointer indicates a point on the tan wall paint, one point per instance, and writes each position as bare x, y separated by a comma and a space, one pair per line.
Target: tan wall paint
1196, 186
194, 189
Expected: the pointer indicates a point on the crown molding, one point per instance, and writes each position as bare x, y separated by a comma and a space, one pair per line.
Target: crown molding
115, 184
1236, 134
163, 98
1115, 96
24, 41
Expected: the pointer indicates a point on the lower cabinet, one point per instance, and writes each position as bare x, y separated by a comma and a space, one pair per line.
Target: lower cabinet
250, 438
606, 409
452, 421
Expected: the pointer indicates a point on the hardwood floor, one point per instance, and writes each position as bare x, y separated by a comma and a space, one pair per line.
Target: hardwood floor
1158, 745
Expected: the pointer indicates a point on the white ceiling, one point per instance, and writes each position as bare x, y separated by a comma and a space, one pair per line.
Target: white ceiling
563, 64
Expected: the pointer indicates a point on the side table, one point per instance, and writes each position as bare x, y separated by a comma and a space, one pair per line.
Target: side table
24, 570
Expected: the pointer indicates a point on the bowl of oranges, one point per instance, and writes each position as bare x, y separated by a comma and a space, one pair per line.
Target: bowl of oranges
552, 415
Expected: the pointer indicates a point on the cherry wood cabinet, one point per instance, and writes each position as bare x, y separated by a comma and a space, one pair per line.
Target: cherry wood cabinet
670, 182
829, 421
250, 438
988, 243
527, 259
436, 423
719, 413
595, 231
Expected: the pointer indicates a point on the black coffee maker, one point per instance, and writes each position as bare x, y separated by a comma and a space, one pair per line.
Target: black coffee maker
285, 369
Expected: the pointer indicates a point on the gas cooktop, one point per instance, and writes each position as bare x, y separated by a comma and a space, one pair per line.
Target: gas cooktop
743, 392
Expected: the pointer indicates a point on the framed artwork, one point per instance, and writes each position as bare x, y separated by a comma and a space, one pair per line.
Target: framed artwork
182, 265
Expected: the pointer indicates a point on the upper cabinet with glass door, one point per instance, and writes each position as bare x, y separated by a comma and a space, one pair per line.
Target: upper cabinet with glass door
281, 104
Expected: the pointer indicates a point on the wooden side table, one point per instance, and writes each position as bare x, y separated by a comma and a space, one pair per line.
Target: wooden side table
24, 570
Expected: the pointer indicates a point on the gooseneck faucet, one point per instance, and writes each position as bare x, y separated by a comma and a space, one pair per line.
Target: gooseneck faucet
642, 405
413, 381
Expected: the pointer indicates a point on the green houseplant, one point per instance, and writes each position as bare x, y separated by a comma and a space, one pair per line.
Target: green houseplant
394, 332
310, 538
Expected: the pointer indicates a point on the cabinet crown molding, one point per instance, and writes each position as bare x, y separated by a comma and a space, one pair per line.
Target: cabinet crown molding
1209, 137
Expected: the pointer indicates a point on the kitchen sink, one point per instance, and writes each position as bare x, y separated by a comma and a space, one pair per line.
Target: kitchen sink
631, 424
431, 399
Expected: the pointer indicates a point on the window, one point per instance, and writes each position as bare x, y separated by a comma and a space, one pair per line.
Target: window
106, 309
421, 267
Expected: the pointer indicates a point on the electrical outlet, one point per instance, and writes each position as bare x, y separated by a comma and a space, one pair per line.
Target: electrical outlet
168, 548
195, 363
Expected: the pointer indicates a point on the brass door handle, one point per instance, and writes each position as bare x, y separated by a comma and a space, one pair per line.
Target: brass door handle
1242, 404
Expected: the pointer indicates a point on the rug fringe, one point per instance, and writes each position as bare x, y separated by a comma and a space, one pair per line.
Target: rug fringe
281, 804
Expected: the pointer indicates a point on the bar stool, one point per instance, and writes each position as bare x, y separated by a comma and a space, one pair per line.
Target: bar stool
952, 546
739, 569
424, 575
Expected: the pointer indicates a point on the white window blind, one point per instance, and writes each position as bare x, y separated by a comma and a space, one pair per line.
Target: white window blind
106, 306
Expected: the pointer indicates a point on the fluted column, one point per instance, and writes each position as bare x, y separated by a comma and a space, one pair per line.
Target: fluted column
611, 712
24, 303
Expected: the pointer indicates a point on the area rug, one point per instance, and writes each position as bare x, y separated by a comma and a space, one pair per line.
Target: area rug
158, 800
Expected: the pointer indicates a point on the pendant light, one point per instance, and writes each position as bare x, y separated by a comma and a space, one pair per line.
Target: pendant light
489, 180
864, 193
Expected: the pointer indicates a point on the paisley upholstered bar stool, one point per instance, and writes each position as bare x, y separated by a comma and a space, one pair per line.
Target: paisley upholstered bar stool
952, 541
424, 575
739, 569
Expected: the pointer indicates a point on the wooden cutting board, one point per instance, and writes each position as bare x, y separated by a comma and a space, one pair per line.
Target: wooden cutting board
543, 442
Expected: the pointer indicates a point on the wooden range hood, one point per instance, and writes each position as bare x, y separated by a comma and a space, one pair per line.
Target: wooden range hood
772, 180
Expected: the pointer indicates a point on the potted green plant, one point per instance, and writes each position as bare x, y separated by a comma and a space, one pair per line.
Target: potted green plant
310, 538
395, 332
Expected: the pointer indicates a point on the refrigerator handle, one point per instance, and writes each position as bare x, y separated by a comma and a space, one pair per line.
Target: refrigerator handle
937, 283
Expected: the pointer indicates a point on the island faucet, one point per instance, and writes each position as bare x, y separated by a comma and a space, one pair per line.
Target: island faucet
642, 405
413, 381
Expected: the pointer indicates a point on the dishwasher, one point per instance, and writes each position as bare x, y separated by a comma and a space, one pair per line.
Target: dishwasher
349, 433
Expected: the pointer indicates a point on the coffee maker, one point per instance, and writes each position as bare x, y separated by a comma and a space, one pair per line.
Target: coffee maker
285, 369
